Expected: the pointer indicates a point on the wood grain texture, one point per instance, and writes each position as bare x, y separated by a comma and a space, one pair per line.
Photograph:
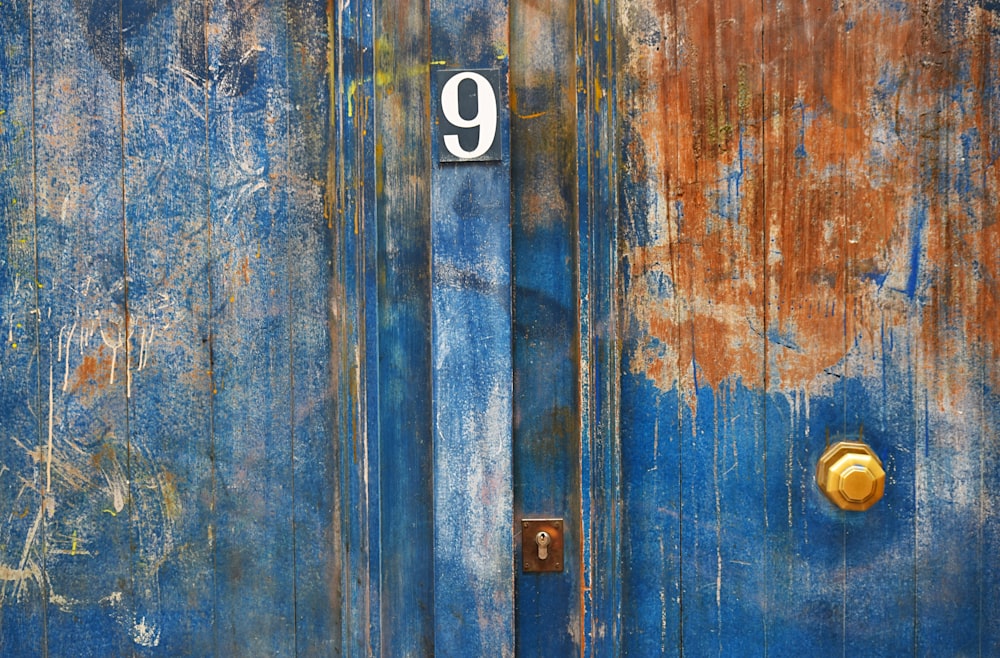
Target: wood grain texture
808, 225
403, 166
178, 301
546, 425
314, 465
353, 325
86, 447
167, 241
251, 365
597, 258
471, 358
22, 590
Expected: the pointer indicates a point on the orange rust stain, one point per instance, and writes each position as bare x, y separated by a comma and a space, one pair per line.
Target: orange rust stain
244, 270
781, 158
94, 372
171, 500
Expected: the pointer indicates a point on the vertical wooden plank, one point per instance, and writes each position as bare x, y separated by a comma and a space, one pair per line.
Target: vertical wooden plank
471, 357
805, 320
985, 79
650, 452
22, 590
597, 281
348, 228
351, 216
317, 630
546, 407
877, 388
714, 196
87, 510
251, 331
651, 418
403, 170
693, 446
167, 366
946, 279
941, 601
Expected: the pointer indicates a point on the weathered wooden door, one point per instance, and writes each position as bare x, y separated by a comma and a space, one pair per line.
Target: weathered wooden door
165, 462
808, 229
282, 377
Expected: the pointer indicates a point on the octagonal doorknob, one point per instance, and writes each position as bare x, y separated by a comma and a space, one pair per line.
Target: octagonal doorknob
850, 474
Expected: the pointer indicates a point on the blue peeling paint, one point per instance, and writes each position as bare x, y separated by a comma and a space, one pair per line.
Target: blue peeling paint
918, 224
877, 277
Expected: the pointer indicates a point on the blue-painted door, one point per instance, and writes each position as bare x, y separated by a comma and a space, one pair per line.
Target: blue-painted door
280, 376
166, 469
808, 230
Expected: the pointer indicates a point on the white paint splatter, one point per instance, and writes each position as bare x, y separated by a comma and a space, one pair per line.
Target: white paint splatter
50, 502
69, 342
145, 635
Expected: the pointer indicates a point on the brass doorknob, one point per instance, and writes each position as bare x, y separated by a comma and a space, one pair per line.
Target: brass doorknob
851, 475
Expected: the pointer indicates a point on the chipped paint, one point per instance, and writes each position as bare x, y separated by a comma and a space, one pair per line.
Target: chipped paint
844, 123
808, 247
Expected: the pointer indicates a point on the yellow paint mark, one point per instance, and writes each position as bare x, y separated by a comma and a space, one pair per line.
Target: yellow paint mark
111, 512
72, 548
232, 298
19, 325
13, 346
350, 97
439, 62
532, 116
331, 64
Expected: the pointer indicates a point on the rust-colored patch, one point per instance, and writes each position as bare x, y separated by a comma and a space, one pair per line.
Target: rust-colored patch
93, 373
801, 176
171, 500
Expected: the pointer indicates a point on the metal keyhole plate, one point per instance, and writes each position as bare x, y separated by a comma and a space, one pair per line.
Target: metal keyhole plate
542, 545
543, 539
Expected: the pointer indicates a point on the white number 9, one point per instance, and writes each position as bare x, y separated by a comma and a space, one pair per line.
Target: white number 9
485, 119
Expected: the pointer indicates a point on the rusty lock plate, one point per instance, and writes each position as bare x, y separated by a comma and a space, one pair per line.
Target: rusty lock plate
542, 545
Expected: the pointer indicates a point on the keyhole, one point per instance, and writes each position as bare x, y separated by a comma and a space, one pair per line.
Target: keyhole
543, 539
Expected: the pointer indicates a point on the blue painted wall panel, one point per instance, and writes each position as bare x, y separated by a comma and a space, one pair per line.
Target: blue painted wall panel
546, 410
22, 612
167, 237
471, 357
85, 531
403, 163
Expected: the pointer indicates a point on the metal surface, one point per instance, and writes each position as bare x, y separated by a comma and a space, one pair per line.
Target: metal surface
542, 546
850, 474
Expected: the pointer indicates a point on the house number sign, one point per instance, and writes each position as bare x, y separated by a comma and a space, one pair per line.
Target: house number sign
469, 115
